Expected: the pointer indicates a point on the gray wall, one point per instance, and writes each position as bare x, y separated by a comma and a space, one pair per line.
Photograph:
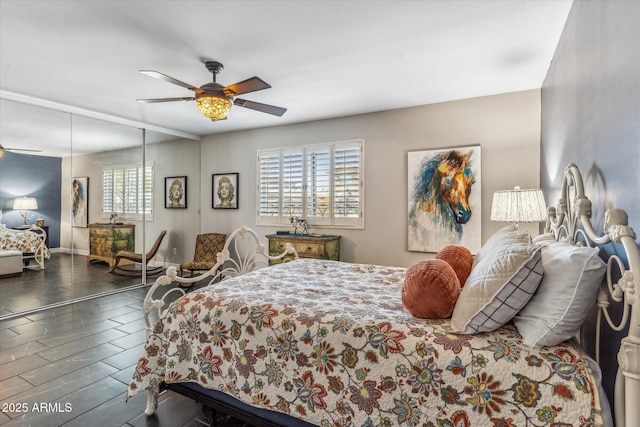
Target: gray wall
591, 117
507, 127
32, 176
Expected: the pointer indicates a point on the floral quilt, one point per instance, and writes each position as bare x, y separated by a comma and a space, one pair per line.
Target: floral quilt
331, 343
23, 241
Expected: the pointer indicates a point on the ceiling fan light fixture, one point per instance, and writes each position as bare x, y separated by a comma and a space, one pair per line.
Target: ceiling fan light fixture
215, 100
214, 107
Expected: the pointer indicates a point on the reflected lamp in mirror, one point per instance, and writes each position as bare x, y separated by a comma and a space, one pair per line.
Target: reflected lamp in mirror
25, 204
518, 205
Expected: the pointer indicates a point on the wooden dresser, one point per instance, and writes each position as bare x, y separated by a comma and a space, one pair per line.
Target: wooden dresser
105, 240
322, 247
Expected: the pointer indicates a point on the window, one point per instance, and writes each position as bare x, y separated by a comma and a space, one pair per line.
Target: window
127, 190
322, 183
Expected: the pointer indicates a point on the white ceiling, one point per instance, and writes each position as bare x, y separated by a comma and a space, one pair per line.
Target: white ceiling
323, 59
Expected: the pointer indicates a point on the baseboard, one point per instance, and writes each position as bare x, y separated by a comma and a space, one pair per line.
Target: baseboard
69, 251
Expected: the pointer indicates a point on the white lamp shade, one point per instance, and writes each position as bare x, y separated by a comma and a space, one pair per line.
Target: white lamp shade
518, 206
25, 204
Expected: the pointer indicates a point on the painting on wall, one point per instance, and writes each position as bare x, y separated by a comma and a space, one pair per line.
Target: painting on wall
79, 201
225, 191
444, 199
175, 192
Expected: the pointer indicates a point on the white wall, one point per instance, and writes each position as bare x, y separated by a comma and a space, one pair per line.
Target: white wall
173, 158
506, 126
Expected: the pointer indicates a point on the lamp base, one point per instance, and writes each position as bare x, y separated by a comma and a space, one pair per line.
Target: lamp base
26, 217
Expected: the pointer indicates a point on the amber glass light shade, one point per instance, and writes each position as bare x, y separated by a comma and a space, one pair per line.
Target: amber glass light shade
214, 107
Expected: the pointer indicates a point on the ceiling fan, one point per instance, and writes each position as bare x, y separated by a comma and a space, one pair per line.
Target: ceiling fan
215, 100
3, 149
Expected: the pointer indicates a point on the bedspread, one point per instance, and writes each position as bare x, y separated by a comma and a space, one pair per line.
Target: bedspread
331, 343
24, 241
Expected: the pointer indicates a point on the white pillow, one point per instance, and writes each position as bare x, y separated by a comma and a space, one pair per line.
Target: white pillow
568, 291
505, 274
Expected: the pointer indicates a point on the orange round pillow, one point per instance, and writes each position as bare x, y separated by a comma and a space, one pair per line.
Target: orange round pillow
460, 259
430, 289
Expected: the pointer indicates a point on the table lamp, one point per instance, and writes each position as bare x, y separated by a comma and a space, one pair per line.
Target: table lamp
518, 206
24, 204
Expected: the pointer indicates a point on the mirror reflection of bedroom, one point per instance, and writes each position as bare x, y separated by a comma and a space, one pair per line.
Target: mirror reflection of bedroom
69, 232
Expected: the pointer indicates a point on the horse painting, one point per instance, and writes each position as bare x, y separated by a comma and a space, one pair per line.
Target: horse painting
440, 198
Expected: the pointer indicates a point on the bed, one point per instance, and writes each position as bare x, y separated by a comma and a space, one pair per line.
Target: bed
29, 241
325, 343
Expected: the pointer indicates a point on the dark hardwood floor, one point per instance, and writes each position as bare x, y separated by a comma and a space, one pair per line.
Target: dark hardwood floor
71, 365
58, 282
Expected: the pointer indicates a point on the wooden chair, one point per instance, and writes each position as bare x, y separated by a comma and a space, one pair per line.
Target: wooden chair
208, 246
129, 269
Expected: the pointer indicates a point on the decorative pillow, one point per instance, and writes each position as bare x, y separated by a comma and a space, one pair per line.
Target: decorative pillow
460, 259
568, 291
544, 238
430, 289
506, 272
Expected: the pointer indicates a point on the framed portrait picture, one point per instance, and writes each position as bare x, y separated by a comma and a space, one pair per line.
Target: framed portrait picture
175, 192
224, 192
80, 202
444, 198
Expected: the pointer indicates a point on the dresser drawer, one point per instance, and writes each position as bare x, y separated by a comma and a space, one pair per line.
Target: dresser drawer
310, 250
325, 247
105, 241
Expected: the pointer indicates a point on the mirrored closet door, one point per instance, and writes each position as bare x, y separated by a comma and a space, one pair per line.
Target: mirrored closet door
100, 187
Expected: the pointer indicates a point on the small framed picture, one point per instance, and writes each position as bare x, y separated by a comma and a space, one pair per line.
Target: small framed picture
224, 193
175, 192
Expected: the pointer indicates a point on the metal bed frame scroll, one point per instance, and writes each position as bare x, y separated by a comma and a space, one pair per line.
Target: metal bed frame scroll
574, 210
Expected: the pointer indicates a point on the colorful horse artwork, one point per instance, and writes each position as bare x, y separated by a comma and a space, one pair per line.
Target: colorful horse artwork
442, 206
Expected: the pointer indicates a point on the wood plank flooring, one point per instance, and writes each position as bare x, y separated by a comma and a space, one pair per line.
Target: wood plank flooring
71, 366
65, 277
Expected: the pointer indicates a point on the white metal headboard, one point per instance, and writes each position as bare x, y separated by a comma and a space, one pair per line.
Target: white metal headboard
572, 219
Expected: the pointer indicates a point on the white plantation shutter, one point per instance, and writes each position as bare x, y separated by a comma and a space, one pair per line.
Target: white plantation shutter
148, 190
319, 185
126, 191
130, 193
108, 186
347, 186
269, 188
292, 184
322, 183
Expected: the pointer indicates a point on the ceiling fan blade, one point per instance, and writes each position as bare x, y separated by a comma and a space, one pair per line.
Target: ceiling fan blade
166, 78
264, 108
151, 101
250, 85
